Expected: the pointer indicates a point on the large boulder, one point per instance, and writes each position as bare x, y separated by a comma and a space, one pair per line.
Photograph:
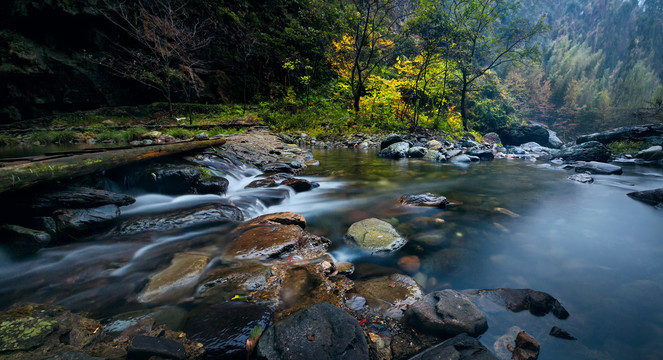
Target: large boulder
492, 138
321, 331
588, 151
398, 150
651, 154
225, 328
595, 167
459, 347
435, 156
632, 133
375, 235
417, 152
520, 134
652, 197
389, 140
447, 313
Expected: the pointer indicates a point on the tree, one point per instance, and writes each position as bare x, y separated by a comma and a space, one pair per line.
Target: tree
490, 34
164, 46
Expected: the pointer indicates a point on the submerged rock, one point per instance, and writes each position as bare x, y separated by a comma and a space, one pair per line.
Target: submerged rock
588, 151
652, 197
561, 333
171, 316
375, 235
595, 167
165, 179
447, 313
388, 296
321, 331
225, 283
212, 185
426, 199
462, 158
537, 302
176, 279
225, 328
459, 347
398, 150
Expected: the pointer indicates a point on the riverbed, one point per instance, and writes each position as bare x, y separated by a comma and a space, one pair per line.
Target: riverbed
512, 223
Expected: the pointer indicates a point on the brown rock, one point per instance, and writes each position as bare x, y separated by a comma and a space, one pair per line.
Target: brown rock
176, 279
527, 348
409, 264
265, 241
390, 295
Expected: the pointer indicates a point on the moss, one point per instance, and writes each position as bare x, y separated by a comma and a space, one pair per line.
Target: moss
54, 137
625, 147
24, 333
206, 172
6, 140
180, 133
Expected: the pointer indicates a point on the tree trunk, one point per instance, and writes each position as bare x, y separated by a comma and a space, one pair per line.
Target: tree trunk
463, 96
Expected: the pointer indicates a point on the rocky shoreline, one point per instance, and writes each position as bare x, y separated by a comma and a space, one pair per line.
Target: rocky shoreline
274, 292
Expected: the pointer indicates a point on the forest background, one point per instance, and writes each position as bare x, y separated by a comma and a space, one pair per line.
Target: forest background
333, 66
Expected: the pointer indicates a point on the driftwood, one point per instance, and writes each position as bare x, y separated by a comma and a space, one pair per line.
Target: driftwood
25, 175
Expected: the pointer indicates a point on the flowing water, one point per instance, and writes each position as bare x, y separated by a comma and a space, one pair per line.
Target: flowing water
515, 224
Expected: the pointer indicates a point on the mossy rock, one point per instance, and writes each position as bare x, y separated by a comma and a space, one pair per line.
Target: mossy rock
24, 333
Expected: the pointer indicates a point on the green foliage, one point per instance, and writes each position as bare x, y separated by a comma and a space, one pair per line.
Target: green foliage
54, 137
315, 120
136, 133
625, 147
224, 131
114, 135
7, 140
180, 133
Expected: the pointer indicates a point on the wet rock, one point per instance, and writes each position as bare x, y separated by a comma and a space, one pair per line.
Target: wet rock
652, 197
171, 316
398, 150
24, 334
447, 313
79, 220
175, 280
299, 185
651, 154
553, 140
582, 178
417, 152
632, 133
482, 154
355, 302
375, 235
265, 241
561, 333
261, 183
74, 355
434, 145
270, 197
388, 296
537, 302
527, 348
409, 264
182, 218
214, 185
165, 179
434, 155
588, 151
278, 167
426, 199
321, 331
520, 134
459, 347
24, 239
594, 167
143, 347
80, 198
492, 138
462, 158
389, 140
225, 328
451, 153
225, 283
283, 218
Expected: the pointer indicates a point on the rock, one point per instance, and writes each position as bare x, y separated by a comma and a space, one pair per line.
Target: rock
434, 145
201, 136
594, 167
152, 135
482, 154
171, 316
166, 179
582, 178
527, 348
182, 218
225, 328
278, 167
417, 152
447, 313
299, 185
80, 198
459, 347
561, 333
321, 331
651, 154
214, 185
176, 279
225, 283
588, 151
25, 333
268, 241
389, 140
283, 218
520, 134
261, 183
652, 197
409, 264
553, 140
388, 296
375, 235
631, 133
143, 347
395, 151
537, 302
23, 239
434, 155
492, 138
79, 220
426, 199
74, 355
309, 284
451, 153
462, 158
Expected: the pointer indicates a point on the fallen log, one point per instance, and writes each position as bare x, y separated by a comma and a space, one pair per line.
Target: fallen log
25, 175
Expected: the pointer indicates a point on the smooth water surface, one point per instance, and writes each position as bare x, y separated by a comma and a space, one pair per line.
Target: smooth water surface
515, 224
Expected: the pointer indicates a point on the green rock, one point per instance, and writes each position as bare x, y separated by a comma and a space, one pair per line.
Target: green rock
375, 235
25, 333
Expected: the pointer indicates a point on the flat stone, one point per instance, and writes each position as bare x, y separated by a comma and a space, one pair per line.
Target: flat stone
225, 283
147, 346
375, 235
25, 333
179, 277
588, 151
447, 313
651, 154
595, 167
182, 218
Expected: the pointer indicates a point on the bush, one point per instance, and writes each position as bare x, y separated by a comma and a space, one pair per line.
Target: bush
54, 137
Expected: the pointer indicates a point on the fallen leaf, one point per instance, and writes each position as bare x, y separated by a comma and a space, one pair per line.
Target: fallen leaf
362, 322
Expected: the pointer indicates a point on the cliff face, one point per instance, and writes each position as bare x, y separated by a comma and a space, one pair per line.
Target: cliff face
44, 63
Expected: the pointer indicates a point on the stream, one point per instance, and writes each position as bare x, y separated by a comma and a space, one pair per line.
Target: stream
514, 224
